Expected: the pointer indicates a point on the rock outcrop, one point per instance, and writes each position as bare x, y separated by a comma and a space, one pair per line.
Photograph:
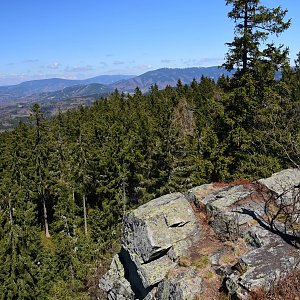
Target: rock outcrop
189, 246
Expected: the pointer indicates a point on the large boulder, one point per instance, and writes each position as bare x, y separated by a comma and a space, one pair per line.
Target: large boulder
284, 185
151, 230
223, 206
154, 236
178, 246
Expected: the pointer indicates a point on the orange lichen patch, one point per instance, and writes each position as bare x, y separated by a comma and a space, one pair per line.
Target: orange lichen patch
220, 184
241, 181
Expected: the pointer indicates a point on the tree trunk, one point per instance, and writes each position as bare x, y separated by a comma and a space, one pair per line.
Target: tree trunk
245, 46
73, 198
10, 212
124, 198
84, 214
47, 234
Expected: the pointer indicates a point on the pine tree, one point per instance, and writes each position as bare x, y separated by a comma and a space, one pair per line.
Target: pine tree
253, 24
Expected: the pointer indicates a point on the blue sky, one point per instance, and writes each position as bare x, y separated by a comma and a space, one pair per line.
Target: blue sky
78, 39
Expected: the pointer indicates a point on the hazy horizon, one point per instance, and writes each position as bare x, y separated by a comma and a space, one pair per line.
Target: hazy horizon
63, 39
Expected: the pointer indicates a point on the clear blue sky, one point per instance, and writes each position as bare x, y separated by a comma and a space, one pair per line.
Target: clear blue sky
84, 38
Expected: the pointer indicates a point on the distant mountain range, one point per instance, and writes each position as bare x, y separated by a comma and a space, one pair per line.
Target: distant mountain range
36, 87
57, 89
165, 76
61, 94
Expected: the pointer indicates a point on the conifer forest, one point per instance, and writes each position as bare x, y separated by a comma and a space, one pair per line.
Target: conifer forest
67, 182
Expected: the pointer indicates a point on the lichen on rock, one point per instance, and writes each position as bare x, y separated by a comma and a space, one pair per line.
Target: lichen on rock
178, 246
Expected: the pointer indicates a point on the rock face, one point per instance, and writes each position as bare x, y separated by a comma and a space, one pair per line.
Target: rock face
186, 246
155, 227
184, 284
261, 266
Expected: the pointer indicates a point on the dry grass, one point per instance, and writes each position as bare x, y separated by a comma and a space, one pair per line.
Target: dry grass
184, 261
201, 263
241, 181
235, 250
287, 288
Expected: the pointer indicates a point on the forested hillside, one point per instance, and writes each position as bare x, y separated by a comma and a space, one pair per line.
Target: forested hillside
66, 183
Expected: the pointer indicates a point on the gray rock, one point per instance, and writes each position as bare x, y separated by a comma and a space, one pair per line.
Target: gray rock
184, 284
153, 272
157, 236
223, 199
181, 248
197, 194
283, 184
152, 229
260, 267
115, 283
153, 237
224, 212
258, 236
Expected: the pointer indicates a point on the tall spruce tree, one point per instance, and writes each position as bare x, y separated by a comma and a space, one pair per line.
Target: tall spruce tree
40, 158
19, 239
253, 25
253, 101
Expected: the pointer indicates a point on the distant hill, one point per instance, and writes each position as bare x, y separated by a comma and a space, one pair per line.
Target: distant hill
57, 89
74, 91
14, 92
28, 88
163, 77
57, 93
106, 79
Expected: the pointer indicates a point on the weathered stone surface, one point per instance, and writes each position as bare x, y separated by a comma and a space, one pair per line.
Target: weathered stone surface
115, 283
197, 194
152, 229
283, 183
153, 272
222, 199
158, 237
153, 237
225, 216
181, 248
260, 267
184, 284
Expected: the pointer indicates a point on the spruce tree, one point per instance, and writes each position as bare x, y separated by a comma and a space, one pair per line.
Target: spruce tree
253, 101
253, 25
19, 238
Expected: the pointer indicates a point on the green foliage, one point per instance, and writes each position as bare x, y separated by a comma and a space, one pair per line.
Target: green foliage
253, 24
74, 176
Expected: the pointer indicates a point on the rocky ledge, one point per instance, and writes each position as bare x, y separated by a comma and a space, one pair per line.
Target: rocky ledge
215, 239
